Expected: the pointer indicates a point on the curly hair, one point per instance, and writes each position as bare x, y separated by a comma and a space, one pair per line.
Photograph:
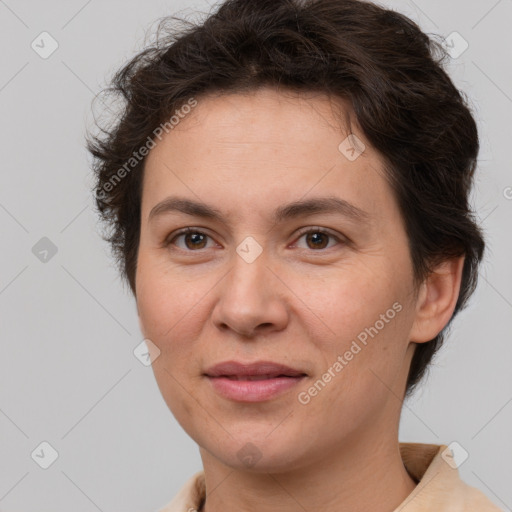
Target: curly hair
379, 60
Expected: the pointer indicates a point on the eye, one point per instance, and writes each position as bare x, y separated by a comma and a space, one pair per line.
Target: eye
192, 238
317, 238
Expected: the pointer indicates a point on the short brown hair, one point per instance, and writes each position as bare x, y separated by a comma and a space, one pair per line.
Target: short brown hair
390, 71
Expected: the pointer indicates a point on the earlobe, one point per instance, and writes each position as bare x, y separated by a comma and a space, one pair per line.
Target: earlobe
437, 299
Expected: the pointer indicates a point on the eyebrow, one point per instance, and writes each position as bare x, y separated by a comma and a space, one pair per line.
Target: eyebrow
302, 208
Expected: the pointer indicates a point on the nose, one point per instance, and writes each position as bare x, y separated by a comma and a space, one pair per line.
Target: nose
251, 299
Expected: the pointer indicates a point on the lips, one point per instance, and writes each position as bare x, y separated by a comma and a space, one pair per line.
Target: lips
253, 377
260, 370
237, 381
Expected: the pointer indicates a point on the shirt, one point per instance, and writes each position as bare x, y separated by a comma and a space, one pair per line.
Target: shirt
439, 487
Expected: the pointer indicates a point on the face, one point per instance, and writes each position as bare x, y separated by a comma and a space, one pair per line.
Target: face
324, 287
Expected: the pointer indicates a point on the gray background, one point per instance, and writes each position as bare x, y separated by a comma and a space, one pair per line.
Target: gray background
68, 375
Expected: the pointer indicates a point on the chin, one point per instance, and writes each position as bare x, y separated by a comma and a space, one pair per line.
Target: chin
257, 454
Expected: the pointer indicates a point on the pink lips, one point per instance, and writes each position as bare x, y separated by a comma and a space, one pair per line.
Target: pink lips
254, 382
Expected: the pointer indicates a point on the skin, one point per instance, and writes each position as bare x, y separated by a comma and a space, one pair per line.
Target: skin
301, 302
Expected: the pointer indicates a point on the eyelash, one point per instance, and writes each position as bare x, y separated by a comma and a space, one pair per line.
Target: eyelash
303, 232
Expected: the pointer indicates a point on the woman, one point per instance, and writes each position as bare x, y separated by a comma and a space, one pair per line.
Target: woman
288, 191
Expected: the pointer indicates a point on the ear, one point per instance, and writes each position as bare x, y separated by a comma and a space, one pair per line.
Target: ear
436, 300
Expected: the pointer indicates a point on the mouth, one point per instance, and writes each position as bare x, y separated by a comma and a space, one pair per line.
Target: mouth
258, 377
254, 382
257, 369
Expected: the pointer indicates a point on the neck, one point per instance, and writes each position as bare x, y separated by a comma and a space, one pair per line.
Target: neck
355, 478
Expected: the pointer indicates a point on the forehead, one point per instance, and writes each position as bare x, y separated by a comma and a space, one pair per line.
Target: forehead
271, 121
261, 147
301, 112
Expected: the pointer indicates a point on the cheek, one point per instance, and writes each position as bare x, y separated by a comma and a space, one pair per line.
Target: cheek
364, 321
168, 313
347, 303
360, 368
169, 309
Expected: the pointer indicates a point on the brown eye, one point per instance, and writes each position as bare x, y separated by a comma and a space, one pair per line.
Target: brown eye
318, 239
193, 240
196, 240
